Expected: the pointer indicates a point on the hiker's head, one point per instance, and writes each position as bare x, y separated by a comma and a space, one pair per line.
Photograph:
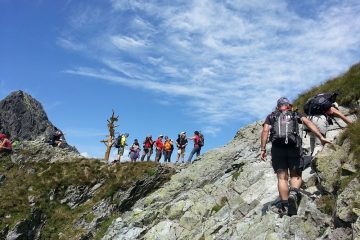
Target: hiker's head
283, 103
196, 132
161, 136
166, 137
126, 134
135, 140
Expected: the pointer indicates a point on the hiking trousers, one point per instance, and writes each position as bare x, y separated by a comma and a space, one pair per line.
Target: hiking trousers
196, 150
322, 124
167, 156
148, 152
158, 155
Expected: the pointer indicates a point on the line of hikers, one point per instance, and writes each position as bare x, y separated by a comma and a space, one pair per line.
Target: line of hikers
286, 152
165, 148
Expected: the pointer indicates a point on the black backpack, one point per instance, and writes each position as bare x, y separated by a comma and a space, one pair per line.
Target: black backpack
319, 104
117, 142
285, 128
201, 140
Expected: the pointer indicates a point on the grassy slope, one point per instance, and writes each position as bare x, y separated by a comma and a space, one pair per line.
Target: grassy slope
39, 179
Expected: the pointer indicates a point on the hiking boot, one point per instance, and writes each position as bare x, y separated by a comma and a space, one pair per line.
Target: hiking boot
293, 203
280, 208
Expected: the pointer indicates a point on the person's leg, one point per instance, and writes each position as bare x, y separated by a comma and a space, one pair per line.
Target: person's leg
322, 124
178, 155
198, 151
143, 154
295, 179
183, 155
191, 155
283, 187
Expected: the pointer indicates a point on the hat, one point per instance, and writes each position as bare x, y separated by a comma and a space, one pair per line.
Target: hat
283, 101
161, 136
183, 133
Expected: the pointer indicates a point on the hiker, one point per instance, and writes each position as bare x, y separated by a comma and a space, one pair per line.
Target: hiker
159, 147
167, 149
134, 151
57, 139
320, 109
286, 152
147, 148
181, 144
120, 143
198, 143
5, 144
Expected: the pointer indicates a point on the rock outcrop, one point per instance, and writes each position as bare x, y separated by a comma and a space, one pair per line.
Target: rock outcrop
228, 193
23, 117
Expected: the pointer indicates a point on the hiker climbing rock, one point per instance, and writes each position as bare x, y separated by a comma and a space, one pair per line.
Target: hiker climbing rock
320, 109
135, 151
181, 144
147, 148
286, 152
168, 149
159, 148
5, 144
198, 143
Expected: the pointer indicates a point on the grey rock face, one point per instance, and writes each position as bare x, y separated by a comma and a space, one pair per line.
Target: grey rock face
227, 194
27, 229
23, 117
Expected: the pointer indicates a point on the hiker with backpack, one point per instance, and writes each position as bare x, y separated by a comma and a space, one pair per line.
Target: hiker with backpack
135, 151
5, 144
320, 110
57, 139
159, 148
120, 143
147, 148
198, 139
181, 144
167, 149
286, 152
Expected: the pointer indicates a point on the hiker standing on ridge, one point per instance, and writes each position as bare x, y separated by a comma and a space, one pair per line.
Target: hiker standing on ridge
135, 151
159, 148
181, 144
198, 143
286, 154
147, 148
5, 144
320, 109
168, 148
120, 143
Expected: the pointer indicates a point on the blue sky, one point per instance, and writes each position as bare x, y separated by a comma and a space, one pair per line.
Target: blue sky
170, 66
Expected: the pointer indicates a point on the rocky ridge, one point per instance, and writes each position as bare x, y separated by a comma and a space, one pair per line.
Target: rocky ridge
228, 193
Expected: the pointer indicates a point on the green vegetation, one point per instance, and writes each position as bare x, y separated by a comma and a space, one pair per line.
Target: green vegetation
348, 86
235, 175
326, 204
43, 179
219, 206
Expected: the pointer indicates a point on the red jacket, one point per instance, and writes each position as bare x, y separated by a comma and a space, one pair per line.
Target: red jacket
159, 145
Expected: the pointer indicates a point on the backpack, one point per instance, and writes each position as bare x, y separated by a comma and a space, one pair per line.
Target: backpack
201, 140
285, 128
167, 146
117, 142
319, 104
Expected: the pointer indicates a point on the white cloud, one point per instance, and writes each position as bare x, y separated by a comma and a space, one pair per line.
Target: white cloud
232, 59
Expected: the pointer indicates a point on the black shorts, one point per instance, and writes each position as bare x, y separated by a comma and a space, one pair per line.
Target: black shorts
286, 158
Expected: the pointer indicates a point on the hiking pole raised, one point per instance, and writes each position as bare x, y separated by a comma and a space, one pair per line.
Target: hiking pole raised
109, 142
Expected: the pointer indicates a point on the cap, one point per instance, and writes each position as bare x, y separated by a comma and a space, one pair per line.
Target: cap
161, 135
283, 101
183, 133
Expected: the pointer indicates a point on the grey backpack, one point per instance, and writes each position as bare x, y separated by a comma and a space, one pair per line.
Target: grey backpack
285, 128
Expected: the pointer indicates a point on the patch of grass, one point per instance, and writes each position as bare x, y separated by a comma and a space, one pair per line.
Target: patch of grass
346, 180
326, 204
235, 175
42, 178
220, 205
104, 227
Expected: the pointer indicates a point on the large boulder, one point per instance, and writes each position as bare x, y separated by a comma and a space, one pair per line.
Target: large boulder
23, 117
